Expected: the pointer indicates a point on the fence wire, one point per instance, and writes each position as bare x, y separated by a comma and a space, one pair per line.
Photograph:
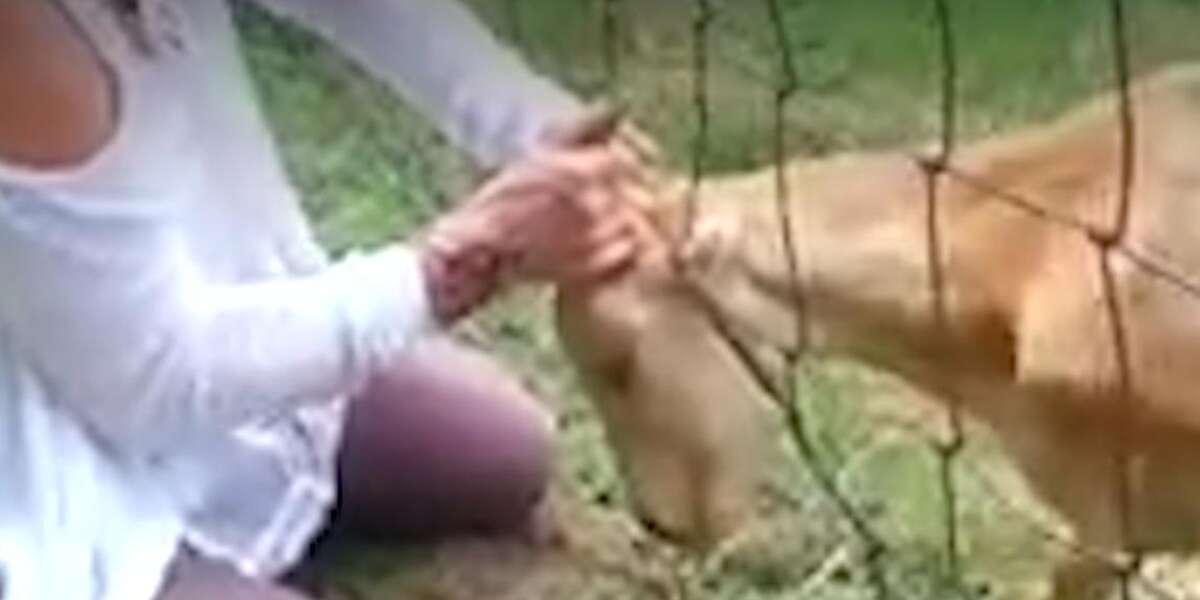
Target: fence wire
1107, 243
701, 32
938, 170
874, 551
611, 32
948, 450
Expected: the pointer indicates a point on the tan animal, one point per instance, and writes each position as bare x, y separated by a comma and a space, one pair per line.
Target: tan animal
1028, 350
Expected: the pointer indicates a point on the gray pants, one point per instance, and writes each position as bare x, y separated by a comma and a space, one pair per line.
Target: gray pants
443, 444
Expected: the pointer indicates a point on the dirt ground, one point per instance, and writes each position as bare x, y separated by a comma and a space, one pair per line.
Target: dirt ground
575, 550
583, 550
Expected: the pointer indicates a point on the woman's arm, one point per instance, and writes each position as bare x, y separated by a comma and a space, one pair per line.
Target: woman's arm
438, 55
102, 301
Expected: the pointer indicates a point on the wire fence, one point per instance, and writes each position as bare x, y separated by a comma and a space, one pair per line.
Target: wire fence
1108, 241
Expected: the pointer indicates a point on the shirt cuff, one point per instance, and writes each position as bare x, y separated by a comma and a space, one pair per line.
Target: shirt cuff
385, 303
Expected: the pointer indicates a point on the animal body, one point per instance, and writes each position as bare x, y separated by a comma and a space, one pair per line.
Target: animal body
1026, 348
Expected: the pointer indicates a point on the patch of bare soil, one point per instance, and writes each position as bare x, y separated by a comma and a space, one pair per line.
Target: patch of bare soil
574, 550
582, 551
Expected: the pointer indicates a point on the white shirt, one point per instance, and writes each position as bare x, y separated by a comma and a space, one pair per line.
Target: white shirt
174, 347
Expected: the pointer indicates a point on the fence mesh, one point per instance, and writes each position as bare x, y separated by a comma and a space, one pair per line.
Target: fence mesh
1107, 241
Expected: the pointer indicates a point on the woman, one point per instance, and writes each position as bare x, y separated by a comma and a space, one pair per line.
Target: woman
176, 352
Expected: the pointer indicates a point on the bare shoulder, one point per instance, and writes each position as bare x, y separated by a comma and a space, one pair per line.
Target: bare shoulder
58, 100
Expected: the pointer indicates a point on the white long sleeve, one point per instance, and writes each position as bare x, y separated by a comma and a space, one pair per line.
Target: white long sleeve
440, 57
102, 300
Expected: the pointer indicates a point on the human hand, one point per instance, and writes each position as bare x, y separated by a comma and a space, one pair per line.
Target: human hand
557, 216
604, 124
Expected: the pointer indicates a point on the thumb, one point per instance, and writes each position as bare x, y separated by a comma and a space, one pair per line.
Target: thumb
597, 123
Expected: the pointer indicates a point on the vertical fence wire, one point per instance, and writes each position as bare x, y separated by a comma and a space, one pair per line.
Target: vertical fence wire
1105, 249
1120, 44
702, 19
787, 393
781, 390
1108, 242
610, 31
786, 86
949, 449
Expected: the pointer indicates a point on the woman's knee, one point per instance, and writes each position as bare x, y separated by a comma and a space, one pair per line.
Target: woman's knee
445, 441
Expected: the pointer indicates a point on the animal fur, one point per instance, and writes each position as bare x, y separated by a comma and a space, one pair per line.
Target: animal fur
1027, 349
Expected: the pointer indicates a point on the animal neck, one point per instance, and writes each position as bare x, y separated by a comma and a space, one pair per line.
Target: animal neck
861, 239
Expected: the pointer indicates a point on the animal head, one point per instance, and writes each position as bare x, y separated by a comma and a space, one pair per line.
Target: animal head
680, 411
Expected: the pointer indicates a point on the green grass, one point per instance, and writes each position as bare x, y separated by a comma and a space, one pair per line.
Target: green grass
371, 171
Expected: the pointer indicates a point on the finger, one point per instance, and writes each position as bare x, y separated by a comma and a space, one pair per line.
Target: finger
632, 166
582, 179
459, 227
610, 231
598, 202
596, 125
584, 166
609, 259
569, 171
636, 194
644, 230
559, 174
635, 205
639, 142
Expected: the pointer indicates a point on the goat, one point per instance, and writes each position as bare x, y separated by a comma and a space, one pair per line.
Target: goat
1026, 348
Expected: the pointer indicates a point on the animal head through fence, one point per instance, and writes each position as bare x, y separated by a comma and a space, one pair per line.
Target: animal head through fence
680, 359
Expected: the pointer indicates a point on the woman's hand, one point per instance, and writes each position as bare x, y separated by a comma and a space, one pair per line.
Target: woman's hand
561, 216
